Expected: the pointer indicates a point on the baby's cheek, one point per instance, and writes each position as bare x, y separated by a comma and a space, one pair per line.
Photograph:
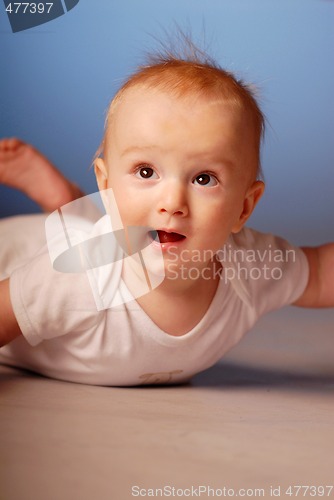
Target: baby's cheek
128, 213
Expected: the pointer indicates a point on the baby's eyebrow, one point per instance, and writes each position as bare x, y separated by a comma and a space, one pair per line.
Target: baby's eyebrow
137, 149
217, 161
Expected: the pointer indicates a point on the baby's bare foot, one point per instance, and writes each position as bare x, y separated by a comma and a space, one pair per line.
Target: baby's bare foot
24, 168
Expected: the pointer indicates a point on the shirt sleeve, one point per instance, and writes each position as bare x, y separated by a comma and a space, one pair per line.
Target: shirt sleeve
48, 303
266, 270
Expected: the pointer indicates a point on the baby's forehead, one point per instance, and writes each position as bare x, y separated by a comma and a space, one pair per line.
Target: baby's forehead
142, 104
142, 100
192, 123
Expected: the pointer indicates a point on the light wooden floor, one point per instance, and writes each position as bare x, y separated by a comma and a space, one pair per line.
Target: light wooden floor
262, 418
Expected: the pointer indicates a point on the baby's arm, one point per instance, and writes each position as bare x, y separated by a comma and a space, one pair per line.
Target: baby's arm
319, 291
9, 328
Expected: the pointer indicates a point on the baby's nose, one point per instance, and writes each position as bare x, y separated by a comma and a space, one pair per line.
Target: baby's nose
173, 199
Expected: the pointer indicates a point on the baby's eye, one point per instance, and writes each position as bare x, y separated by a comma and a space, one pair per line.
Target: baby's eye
146, 172
205, 180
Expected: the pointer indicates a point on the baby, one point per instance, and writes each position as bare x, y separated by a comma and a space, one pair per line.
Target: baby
181, 156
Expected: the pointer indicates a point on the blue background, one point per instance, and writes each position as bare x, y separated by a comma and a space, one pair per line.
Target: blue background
57, 79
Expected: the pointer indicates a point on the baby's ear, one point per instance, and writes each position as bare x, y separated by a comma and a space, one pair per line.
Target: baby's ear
253, 194
101, 174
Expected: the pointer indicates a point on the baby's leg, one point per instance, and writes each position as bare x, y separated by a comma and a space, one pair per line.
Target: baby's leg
24, 168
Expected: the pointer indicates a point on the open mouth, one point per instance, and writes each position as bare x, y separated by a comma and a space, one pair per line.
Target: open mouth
166, 237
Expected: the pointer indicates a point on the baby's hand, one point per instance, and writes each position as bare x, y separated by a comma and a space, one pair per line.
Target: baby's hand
320, 288
9, 328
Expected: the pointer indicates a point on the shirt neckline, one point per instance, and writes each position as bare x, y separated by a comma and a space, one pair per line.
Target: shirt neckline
166, 338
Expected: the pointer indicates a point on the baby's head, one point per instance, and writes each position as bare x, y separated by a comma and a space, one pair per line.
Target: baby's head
181, 151
200, 79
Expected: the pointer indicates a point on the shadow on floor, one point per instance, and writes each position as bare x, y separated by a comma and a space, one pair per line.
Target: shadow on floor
230, 375
221, 376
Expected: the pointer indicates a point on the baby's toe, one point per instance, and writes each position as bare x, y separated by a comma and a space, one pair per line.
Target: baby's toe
10, 144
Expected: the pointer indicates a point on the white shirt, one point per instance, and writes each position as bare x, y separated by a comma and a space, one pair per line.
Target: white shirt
66, 337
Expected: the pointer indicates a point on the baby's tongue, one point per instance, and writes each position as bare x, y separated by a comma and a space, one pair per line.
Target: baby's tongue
169, 237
